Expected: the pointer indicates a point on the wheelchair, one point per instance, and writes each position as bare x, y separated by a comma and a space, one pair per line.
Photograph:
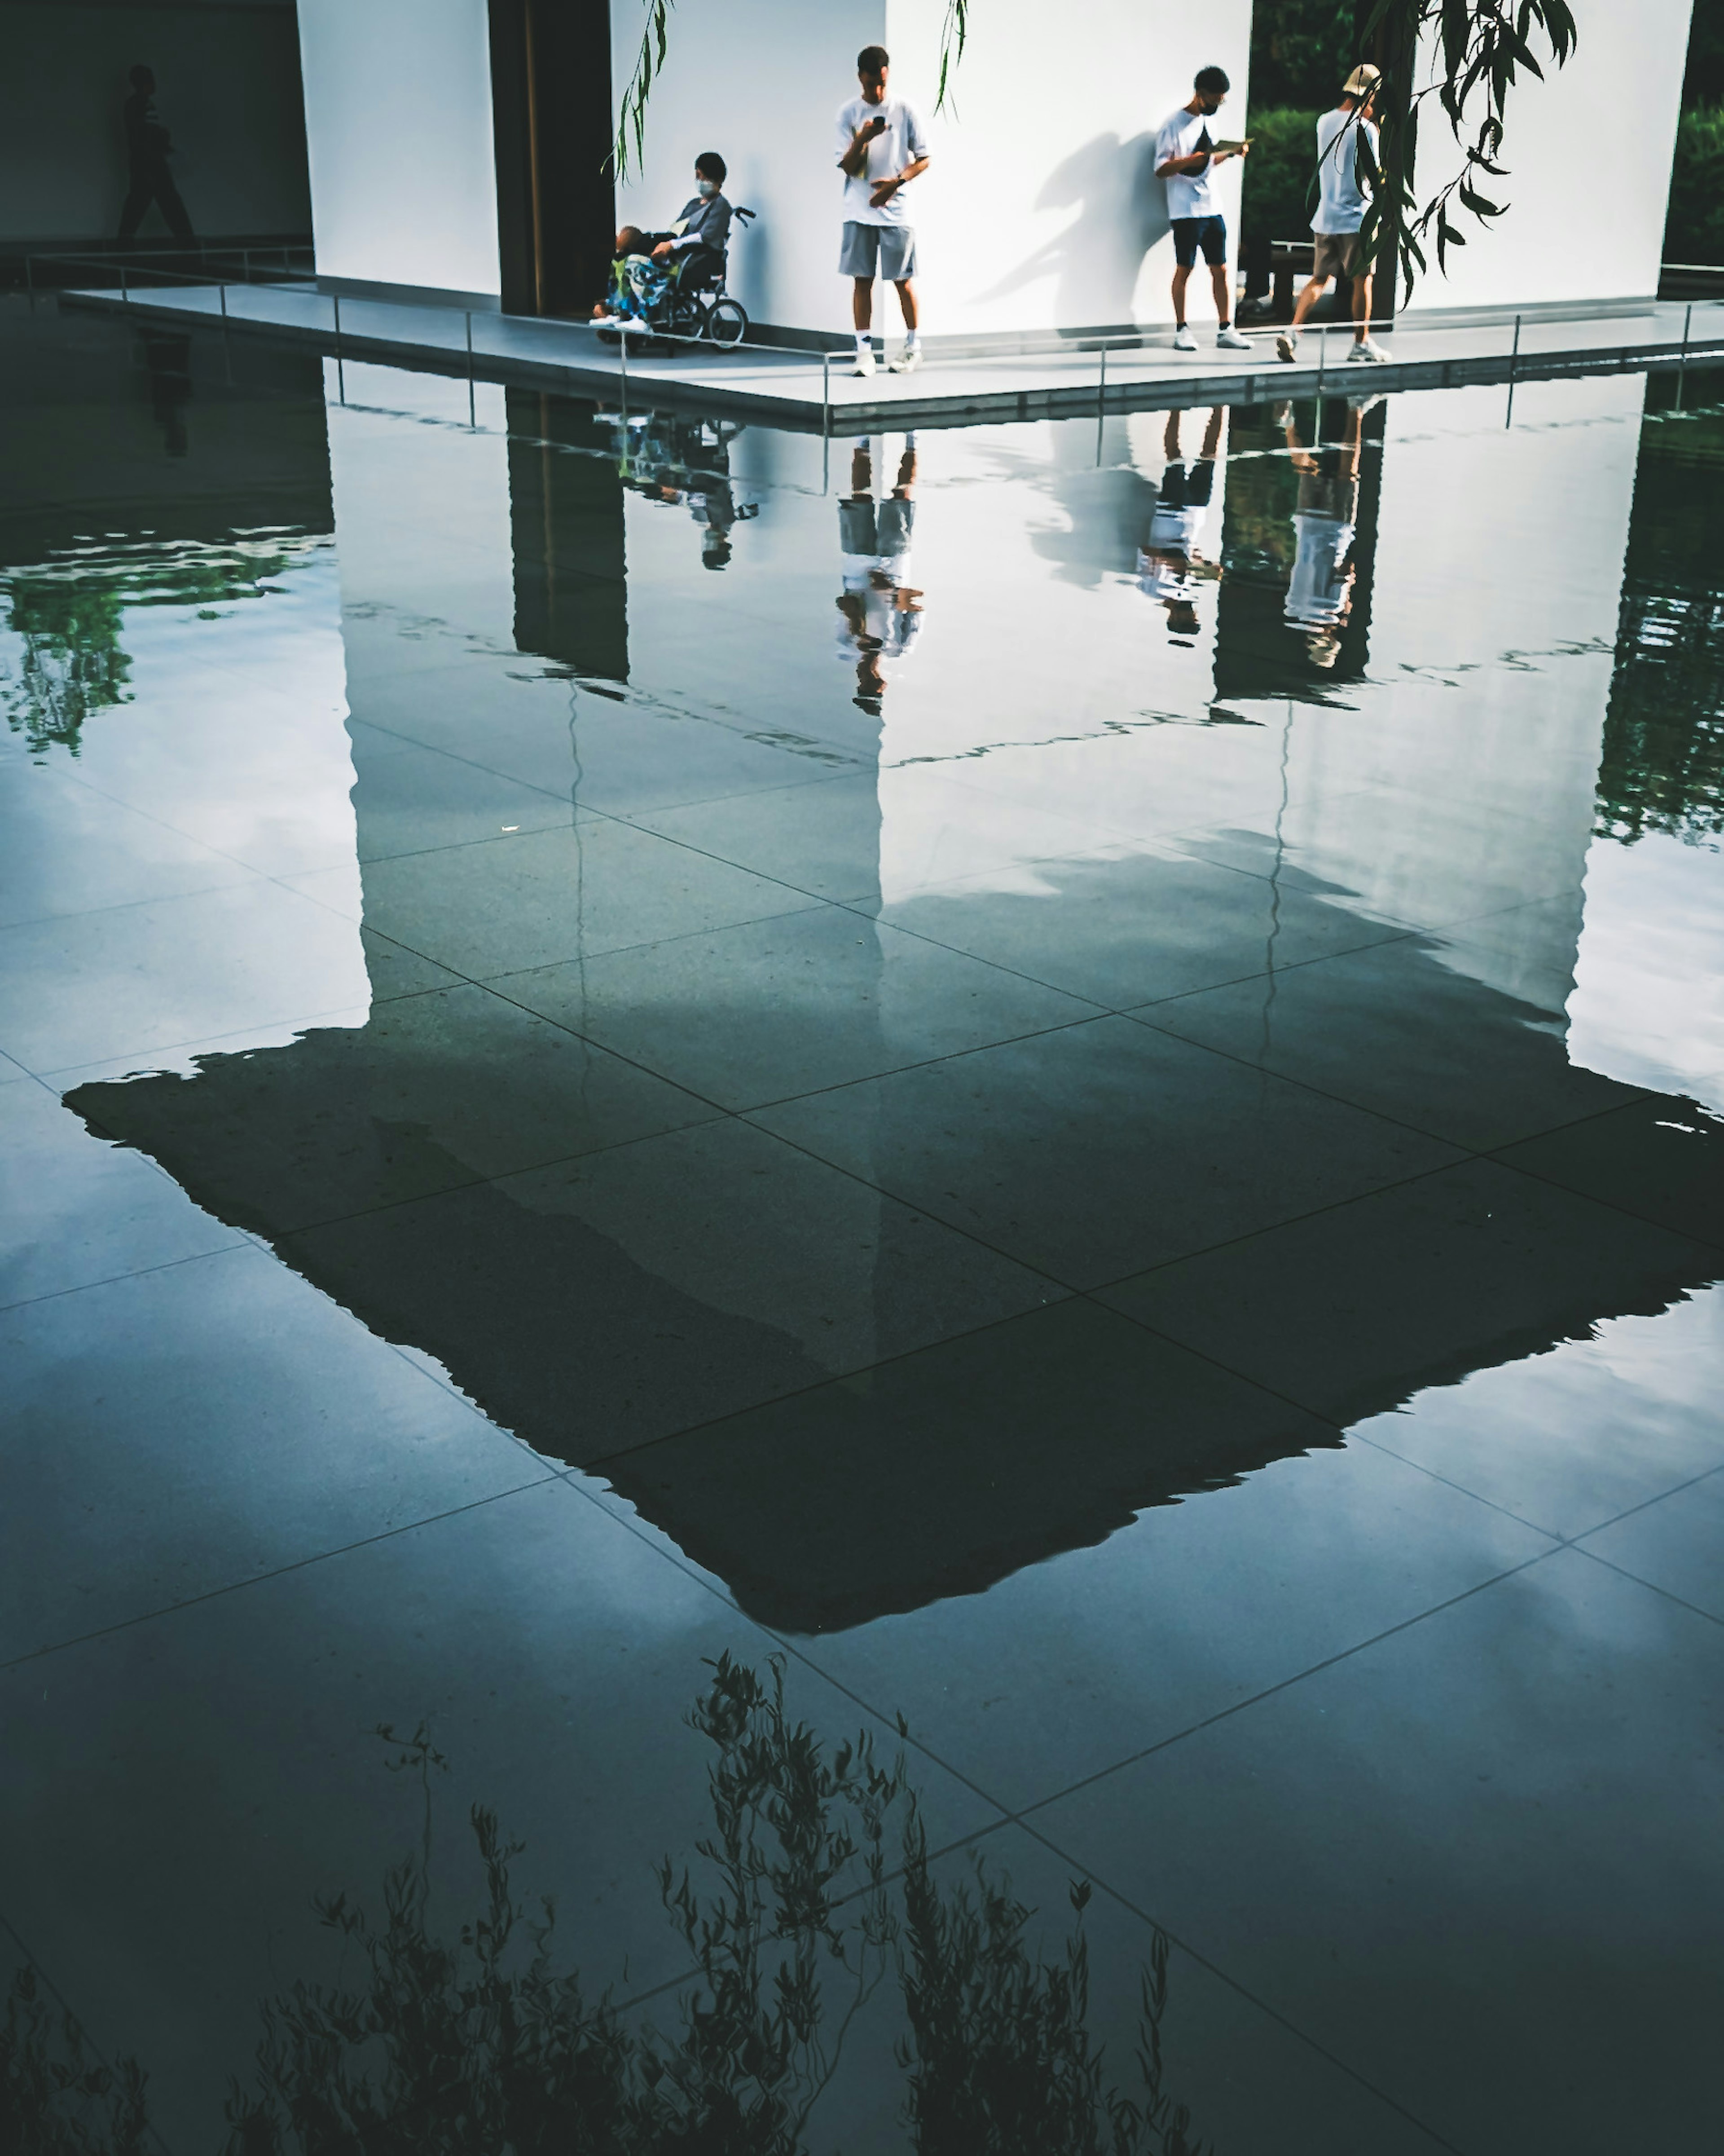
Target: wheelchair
686, 302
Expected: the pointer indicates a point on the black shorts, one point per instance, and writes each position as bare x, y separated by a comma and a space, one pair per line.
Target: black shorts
1192, 233
1187, 486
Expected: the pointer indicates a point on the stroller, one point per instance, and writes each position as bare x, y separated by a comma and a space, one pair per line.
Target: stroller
684, 299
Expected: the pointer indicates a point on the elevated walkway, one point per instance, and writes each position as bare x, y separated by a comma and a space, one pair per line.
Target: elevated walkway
957, 385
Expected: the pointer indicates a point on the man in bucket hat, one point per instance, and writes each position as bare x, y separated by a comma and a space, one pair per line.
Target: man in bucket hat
1346, 165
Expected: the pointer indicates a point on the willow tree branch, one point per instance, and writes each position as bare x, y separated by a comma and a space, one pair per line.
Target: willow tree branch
648, 65
1482, 47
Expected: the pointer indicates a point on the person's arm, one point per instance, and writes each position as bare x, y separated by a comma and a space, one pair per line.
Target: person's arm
915, 142
853, 158
883, 190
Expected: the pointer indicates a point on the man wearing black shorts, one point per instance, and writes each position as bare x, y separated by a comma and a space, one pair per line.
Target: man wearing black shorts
1185, 157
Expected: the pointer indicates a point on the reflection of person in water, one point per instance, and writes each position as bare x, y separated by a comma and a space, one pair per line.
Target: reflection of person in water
879, 610
685, 462
148, 147
1321, 596
1170, 569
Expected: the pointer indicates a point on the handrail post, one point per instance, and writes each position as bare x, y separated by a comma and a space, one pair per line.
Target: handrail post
222, 290
472, 412
1100, 400
1508, 417
335, 302
826, 393
1682, 363
1322, 355
124, 293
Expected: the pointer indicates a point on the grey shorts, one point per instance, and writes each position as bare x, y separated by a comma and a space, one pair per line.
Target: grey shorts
878, 250
1334, 253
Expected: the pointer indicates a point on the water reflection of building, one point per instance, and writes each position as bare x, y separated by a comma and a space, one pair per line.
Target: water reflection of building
1464, 785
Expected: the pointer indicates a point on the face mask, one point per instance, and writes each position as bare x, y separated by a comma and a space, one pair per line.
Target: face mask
707, 187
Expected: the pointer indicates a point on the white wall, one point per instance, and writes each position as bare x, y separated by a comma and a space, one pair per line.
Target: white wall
398, 129
227, 90
1040, 210
1589, 152
759, 81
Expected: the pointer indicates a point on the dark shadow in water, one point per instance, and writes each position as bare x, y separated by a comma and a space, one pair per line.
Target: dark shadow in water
812, 1896
931, 1476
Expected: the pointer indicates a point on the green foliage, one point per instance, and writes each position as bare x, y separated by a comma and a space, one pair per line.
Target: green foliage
1301, 52
1662, 768
69, 614
1280, 176
476, 2044
1694, 231
55, 2100
1703, 83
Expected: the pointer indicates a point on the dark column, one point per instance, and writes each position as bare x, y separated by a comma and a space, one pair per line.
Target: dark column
550, 116
566, 517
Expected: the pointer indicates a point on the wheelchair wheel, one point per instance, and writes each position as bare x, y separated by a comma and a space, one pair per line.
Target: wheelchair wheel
727, 324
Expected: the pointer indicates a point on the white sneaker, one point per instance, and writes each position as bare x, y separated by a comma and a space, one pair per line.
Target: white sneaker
1287, 346
907, 361
1230, 339
865, 360
1366, 349
1183, 339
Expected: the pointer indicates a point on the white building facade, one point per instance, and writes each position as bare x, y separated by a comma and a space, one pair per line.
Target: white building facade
1041, 211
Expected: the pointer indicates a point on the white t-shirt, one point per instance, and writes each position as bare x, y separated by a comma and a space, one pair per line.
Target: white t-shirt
1183, 134
902, 143
1341, 202
1317, 596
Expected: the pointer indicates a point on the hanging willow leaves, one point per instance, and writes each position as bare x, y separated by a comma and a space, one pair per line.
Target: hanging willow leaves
1471, 53
648, 65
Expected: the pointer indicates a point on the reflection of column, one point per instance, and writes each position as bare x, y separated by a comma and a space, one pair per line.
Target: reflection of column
566, 519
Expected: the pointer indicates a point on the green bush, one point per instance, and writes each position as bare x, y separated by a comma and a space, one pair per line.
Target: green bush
1695, 229
1277, 200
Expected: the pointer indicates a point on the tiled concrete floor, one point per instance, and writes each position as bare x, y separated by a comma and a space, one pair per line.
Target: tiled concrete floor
1107, 1203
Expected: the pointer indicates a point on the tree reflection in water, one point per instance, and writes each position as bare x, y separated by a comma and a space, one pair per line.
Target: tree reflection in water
812, 1889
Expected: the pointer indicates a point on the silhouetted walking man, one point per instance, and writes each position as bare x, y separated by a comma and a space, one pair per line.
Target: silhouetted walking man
148, 147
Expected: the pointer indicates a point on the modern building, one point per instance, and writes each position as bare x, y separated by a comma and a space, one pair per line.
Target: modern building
461, 146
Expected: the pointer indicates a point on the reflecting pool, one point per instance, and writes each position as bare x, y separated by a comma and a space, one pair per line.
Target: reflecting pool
1071, 1074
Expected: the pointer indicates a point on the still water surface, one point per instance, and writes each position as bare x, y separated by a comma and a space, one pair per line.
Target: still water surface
1080, 1073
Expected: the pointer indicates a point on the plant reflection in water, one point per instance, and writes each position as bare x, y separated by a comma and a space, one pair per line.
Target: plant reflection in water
812, 1889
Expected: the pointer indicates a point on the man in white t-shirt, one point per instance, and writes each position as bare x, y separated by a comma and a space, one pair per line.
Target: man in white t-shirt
881, 148
1185, 157
1346, 161
1170, 569
879, 610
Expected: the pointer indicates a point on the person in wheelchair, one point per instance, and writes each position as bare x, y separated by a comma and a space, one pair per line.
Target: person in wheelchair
648, 265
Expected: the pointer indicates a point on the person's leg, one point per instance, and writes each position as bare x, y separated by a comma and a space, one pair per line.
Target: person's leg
862, 305
137, 201
1308, 299
1182, 277
1212, 432
167, 197
1170, 437
1362, 284
906, 300
1223, 290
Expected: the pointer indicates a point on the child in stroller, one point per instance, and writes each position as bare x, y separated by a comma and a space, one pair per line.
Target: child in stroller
673, 282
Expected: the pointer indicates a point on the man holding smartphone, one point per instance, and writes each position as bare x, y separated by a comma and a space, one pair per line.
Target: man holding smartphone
1186, 154
881, 149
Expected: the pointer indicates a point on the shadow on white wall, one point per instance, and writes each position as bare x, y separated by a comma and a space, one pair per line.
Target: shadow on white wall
1097, 258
